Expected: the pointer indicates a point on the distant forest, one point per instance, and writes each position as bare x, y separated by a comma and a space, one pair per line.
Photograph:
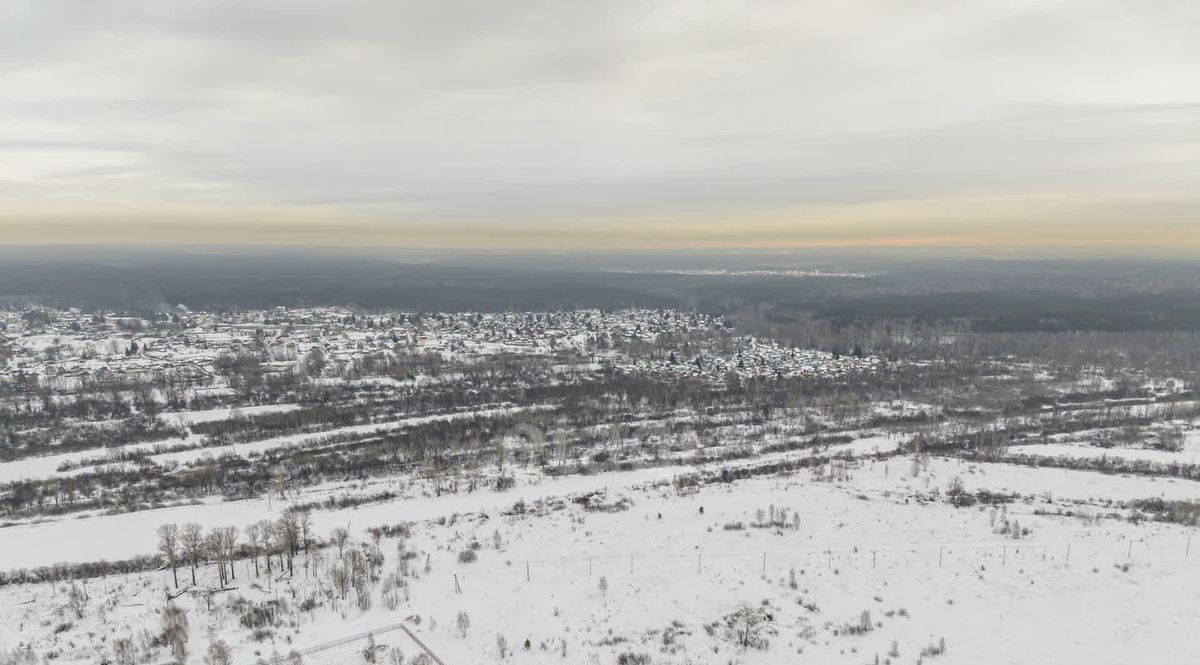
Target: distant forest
985, 295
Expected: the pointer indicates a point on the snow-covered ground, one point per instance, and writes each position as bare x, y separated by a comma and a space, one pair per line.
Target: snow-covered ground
1188, 454
925, 573
29, 545
299, 440
46, 466
1062, 484
188, 418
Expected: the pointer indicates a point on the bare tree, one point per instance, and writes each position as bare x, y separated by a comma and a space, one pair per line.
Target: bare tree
229, 537
253, 539
168, 545
193, 545
305, 529
266, 531
340, 576
289, 535
214, 544
339, 536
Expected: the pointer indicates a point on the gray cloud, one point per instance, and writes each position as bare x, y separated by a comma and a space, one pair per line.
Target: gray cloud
546, 110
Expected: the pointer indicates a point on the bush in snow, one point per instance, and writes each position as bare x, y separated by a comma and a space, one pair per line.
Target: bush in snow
746, 627
863, 625
265, 614
371, 651
219, 653
395, 590
362, 593
76, 600
934, 649
175, 632
24, 656
123, 651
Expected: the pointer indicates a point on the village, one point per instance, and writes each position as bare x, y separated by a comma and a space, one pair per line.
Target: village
60, 348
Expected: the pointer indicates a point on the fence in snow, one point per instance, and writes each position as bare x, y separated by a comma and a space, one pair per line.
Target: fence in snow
882, 558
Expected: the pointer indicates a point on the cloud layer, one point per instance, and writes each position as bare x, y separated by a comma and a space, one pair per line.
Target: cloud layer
641, 123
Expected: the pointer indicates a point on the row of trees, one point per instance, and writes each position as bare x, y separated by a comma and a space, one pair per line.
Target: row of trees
271, 540
585, 411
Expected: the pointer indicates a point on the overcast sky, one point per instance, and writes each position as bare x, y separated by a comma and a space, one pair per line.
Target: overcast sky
516, 123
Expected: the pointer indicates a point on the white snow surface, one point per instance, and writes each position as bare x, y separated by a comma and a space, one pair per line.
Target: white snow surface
925, 572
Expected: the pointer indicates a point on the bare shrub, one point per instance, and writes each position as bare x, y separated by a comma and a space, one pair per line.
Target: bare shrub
123, 651
175, 632
219, 653
747, 627
934, 649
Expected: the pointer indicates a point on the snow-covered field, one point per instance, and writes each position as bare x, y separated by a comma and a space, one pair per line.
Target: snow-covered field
29, 545
1081, 448
1189, 455
186, 418
298, 440
46, 466
925, 573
